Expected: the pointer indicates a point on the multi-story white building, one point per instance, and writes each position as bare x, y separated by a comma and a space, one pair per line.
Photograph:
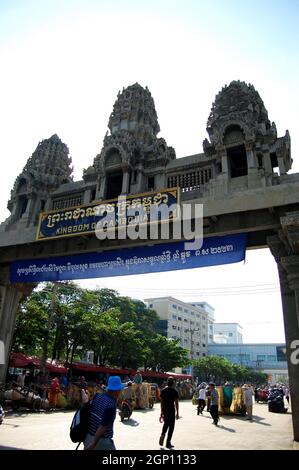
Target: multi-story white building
183, 321
232, 331
211, 317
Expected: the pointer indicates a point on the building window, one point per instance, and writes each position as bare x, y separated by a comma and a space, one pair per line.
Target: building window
203, 345
173, 327
261, 357
174, 317
271, 358
190, 181
179, 318
93, 193
230, 334
180, 309
185, 310
185, 319
203, 354
237, 160
192, 313
197, 316
174, 306
150, 305
204, 318
151, 182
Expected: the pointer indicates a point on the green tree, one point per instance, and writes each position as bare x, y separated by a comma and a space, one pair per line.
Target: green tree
31, 325
65, 319
213, 368
163, 354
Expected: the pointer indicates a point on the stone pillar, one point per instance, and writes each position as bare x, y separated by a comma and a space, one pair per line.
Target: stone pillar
224, 162
251, 163
126, 180
10, 296
29, 209
281, 165
288, 269
87, 196
160, 181
48, 205
140, 180
101, 191
267, 162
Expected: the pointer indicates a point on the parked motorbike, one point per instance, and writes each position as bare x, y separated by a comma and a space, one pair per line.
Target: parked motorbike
275, 402
126, 410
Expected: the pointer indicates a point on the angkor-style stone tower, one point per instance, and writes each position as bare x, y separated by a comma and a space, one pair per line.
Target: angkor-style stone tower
46, 170
243, 142
243, 154
132, 156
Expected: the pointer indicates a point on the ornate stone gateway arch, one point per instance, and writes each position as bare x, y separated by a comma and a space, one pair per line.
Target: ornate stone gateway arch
241, 178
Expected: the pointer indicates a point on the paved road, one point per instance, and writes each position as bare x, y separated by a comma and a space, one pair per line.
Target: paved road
192, 432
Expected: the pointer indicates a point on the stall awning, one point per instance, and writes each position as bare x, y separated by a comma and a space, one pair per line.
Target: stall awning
20, 360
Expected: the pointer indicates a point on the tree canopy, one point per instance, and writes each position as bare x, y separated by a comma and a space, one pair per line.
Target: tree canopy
62, 320
220, 370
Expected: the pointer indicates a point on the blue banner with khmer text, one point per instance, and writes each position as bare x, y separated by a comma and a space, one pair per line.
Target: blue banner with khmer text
157, 258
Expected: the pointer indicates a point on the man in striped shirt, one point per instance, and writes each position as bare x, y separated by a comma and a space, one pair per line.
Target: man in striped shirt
102, 416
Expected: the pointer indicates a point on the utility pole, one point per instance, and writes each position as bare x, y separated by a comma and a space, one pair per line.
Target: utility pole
192, 330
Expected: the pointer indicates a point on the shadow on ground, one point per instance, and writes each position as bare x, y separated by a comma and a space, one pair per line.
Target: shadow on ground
131, 422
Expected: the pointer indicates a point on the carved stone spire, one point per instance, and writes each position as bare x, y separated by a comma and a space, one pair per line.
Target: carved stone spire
133, 126
134, 111
239, 104
50, 163
46, 169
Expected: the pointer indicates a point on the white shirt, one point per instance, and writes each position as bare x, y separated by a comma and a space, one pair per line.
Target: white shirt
21, 380
248, 394
202, 394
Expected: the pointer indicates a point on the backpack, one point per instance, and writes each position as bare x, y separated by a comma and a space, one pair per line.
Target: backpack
79, 426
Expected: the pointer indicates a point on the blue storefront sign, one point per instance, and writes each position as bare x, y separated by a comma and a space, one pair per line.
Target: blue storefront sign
157, 258
112, 214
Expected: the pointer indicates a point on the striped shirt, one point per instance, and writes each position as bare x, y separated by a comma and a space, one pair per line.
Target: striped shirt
103, 413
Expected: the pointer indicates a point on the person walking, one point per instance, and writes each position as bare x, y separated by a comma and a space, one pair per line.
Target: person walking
102, 417
169, 411
138, 382
208, 397
53, 393
214, 397
248, 394
201, 400
286, 392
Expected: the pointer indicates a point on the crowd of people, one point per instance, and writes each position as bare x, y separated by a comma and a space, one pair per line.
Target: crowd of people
105, 401
100, 430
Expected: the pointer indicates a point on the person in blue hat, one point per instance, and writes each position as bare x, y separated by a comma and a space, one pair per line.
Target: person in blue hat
102, 416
